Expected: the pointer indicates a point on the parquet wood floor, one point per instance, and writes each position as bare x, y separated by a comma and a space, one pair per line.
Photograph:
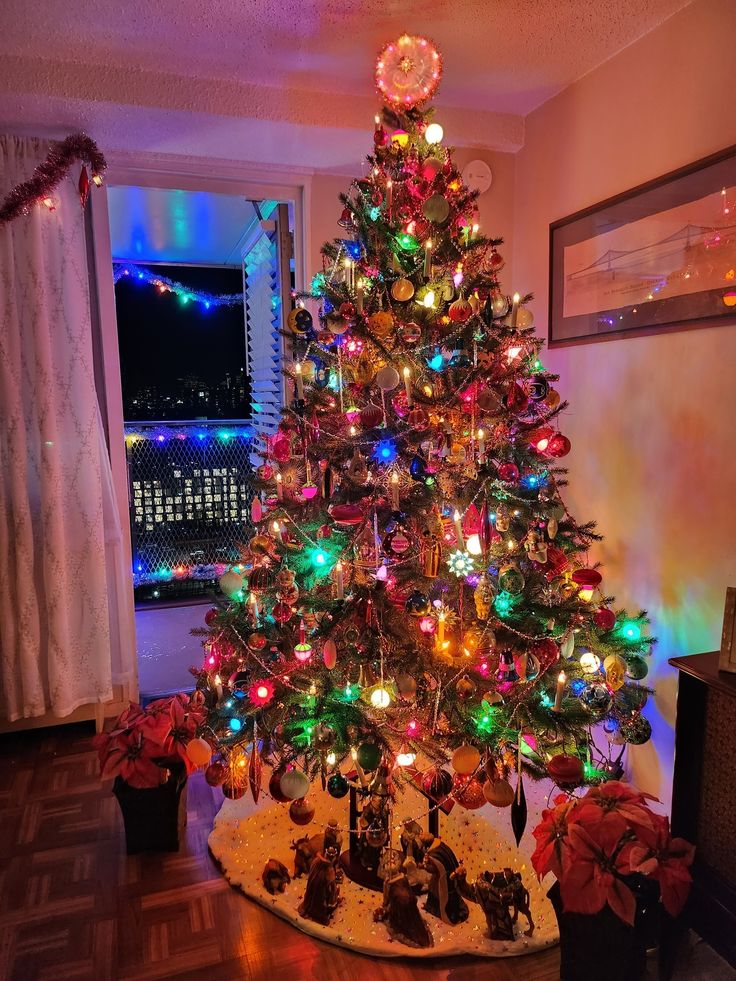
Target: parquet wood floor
74, 907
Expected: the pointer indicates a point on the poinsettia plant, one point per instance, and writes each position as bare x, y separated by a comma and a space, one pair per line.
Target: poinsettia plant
144, 741
594, 843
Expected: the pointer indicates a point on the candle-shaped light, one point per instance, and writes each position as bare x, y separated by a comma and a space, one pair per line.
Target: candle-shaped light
407, 384
277, 532
279, 487
394, 491
376, 540
359, 295
481, 446
474, 233
428, 259
349, 273
441, 629
514, 310
253, 604
561, 679
218, 685
458, 530
299, 380
389, 195
378, 123
339, 581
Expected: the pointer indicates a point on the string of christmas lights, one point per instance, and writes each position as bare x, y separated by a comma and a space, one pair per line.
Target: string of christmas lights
207, 301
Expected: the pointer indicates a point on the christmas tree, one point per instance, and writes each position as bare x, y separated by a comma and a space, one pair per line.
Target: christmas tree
415, 593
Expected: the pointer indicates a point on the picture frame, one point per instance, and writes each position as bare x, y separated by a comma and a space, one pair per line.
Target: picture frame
727, 658
655, 258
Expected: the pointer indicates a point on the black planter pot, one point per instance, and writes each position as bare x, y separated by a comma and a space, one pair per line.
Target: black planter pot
154, 817
602, 946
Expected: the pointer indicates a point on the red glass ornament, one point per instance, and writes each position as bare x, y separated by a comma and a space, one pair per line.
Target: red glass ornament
604, 619
371, 416
508, 472
281, 447
274, 786
516, 398
546, 652
282, 613
539, 438
460, 311
587, 578
559, 445
418, 418
347, 310
437, 783
211, 615
566, 770
347, 514
301, 811
469, 793
83, 186
400, 404
215, 773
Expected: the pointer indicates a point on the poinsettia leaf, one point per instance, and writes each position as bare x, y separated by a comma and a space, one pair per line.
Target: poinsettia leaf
621, 900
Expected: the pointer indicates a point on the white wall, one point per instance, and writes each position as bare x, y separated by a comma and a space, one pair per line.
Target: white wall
651, 418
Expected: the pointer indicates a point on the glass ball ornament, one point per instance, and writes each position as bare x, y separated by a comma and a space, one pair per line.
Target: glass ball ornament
294, 784
637, 668
380, 697
469, 793
199, 751
437, 783
465, 760
604, 619
387, 378
369, 756
215, 773
274, 787
406, 686
589, 662
301, 811
596, 697
231, 584
566, 770
499, 792
418, 603
337, 786
465, 688
323, 736
500, 306
636, 731
376, 834
233, 791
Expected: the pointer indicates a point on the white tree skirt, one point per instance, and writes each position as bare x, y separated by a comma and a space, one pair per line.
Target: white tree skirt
245, 836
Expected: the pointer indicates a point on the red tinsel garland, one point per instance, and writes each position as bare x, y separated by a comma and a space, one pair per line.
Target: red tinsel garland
51, 172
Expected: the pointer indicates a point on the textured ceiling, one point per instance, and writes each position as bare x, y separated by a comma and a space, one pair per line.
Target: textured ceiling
504, 56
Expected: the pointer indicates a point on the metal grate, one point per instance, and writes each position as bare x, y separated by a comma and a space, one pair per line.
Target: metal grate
191, 486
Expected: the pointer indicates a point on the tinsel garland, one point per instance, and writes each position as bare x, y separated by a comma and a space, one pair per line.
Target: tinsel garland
49, 174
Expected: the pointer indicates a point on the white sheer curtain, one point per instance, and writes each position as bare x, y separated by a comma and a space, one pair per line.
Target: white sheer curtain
65, 606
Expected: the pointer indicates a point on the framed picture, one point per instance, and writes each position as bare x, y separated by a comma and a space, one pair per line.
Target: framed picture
727, 659
659, 257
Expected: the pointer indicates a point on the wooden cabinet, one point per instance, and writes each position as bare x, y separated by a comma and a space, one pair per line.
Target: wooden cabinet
704, 794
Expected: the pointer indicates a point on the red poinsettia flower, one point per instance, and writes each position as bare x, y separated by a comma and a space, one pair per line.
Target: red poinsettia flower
172, 724
666, 859
612, 809
551, 835
592, 876
131, 756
